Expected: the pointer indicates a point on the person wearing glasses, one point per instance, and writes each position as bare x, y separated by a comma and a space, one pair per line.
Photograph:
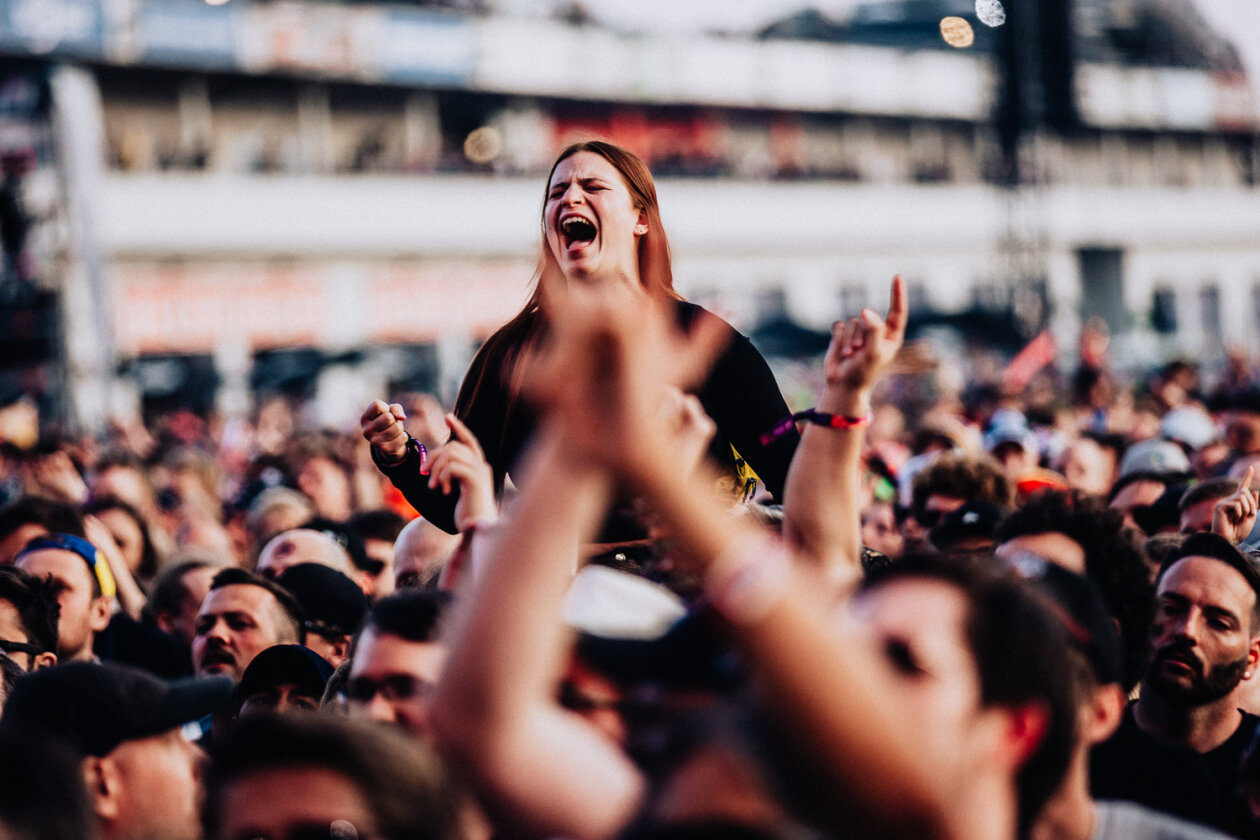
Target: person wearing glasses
603, 242
28, 620
397, 660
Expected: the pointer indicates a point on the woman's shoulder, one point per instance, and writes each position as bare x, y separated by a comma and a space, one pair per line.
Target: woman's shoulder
689, 314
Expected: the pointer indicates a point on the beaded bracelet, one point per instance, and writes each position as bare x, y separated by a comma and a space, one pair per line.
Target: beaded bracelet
816, 417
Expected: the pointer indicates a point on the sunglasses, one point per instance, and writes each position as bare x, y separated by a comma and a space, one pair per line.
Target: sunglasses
393, 687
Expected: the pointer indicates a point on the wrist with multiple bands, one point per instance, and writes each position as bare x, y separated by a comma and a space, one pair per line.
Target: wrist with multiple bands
817, 418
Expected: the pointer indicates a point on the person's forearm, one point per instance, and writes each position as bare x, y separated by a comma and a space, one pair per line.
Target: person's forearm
511, 648
820, 512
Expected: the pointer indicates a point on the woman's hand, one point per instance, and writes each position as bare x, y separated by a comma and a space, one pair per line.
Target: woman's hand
382, 426
462, 461
860, 351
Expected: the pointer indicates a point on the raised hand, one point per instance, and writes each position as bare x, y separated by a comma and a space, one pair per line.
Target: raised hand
462, 462
860, 351
1234, 516
382, 426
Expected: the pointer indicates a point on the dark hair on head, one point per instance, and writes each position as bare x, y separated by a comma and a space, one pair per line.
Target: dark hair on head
413, 614
44, 794
233, 576
976, 478
1018, 646
380, 524
35, 601
169, 590
1206, 491
497, 363
57, 517
400, 780
1114, 561
117, 457
1216, 547
149, 557
1166, 479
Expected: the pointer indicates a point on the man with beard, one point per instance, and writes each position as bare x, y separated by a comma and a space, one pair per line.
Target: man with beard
1205, 642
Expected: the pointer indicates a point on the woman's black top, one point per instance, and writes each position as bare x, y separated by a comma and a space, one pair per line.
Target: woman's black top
739, 394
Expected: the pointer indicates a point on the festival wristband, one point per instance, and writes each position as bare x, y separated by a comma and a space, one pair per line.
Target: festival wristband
816, 417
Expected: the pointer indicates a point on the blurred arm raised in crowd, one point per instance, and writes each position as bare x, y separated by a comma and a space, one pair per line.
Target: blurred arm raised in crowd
537, 767
604, 385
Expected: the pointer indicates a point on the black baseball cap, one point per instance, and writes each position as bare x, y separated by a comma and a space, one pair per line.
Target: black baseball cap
330, 601
93, 708
280, 664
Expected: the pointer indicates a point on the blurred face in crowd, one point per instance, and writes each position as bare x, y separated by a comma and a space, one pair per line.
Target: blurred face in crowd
127, 535
1197, 519
591, 223
279, 802
1015, 459
420, 551
234, 624
392, 679
1202, 638
152, 789
879, 529
920, 624
1089, 467
1242, 432
915, 528
1137, 494
182, 624
84, 612
13, 544
326, 484
127, 484
379, 551
279, 699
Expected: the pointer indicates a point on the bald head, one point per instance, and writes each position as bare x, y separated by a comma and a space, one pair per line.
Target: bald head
420, 552
303, 545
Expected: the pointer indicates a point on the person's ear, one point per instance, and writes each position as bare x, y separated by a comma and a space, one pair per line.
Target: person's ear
641, 226
99, 614
1025, 730
1102, 714
1253, 656
103, 781
47, 659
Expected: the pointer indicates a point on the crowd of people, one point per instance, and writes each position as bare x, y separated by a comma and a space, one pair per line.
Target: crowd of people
621, 591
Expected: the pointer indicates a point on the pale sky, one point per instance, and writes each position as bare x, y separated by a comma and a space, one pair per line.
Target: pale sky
1239, 18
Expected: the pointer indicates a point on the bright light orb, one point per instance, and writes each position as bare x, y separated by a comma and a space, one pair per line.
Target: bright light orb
990, 12
957, 32
483, 145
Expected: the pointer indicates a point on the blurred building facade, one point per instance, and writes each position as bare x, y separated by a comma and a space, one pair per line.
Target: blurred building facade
340, 200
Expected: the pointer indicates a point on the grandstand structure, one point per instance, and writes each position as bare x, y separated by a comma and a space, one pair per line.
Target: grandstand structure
339, 200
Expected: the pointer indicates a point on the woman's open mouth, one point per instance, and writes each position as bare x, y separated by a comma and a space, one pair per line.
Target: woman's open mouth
576, 232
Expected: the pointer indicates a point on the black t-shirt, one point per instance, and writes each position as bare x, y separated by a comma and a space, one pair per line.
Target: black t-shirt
1135, 766
1225, 762
740, 395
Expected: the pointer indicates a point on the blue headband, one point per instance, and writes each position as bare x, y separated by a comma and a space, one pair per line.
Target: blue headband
90, 554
